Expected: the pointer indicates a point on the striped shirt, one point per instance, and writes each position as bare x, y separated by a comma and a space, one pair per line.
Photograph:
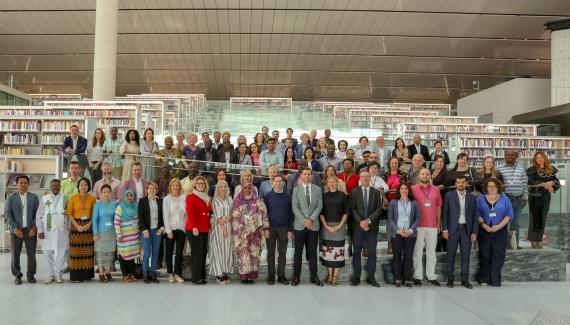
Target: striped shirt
128, 246
514, 175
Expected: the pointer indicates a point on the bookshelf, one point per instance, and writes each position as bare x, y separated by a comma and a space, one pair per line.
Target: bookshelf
261, 101
442, 109
38, 99
348, 111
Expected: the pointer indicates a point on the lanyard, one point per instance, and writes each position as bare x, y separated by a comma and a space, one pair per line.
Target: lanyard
404, 207
83, 204
55, 203
424, 192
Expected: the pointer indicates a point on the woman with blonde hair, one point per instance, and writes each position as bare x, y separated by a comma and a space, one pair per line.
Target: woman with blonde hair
246, 177
198, 209
489, 170
174, 214
542, 176
220, 257
151, 227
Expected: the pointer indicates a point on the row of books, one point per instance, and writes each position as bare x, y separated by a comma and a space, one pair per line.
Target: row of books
12, 151
30, 126
53, 138
61, 125
51, 151
20, 138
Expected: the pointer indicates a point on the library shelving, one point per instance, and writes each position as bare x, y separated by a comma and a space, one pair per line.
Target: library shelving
38, 99
261, 101
346, 112
442, 109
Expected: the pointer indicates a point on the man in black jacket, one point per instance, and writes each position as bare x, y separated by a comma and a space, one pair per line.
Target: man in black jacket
418, 147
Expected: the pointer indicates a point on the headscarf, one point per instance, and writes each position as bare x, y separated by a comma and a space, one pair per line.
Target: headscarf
128, 209
241, 199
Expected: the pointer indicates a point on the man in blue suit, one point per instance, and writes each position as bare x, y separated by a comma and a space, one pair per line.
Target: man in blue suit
460, 227
74, 147
20, 211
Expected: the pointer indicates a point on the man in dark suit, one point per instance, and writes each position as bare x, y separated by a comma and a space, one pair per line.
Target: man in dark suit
460, 227
206, 154
418, 147
20, 212
226, 154
74, 146
366, 206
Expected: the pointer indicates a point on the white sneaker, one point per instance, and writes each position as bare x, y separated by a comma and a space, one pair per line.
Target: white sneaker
171, 278
49, 280
59, 279
178, 278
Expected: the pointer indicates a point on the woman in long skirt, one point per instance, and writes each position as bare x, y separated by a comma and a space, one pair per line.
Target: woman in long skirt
221, 255
127, 231
130, 148
149, 149
79, 211
249, 225
104, 233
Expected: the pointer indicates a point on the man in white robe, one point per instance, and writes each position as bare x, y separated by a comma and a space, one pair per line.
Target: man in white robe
53, 228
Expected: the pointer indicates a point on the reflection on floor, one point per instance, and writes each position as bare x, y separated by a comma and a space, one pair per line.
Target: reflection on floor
164, 303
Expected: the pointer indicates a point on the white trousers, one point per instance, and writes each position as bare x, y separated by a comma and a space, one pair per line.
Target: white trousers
55, 261
427, 237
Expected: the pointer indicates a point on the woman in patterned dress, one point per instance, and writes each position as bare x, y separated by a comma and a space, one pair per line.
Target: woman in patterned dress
127, 230
221, 255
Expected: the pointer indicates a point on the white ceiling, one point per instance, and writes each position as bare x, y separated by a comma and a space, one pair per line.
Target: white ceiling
427, 50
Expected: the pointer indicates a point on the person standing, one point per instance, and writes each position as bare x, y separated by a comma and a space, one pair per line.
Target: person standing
53, 229
151, 227
516, 189
20, 211
136, 183
429, 200
401, 151
418, 148
330, 159
460, 226
130, 148
280, 215
495, 212
438, 146
412, 171
307, 205
221, 256
74, 146
198, 209
69, 185
127, 231
174, 215
81, 245
334, 217
366, 205
249, 226
462, 168
111, 149
95, 154
542, 176
404, 218
269, 157
384, 154
104, 233
108, 179
149, 150
171, 156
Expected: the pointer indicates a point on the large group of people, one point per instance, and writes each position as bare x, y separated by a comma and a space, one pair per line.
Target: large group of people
143, 203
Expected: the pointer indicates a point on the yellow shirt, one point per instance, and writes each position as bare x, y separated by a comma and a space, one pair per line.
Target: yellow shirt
77, 210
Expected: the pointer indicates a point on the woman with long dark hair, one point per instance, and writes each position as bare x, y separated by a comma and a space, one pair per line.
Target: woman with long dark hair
131, 150
95, 152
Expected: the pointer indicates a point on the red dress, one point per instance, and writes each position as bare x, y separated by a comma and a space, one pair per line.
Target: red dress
198, 214
351, 182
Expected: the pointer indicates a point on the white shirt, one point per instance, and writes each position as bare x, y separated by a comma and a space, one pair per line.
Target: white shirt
24, 200
174, 213
153, 213
139, 188
461, 207
74, 142
378, 183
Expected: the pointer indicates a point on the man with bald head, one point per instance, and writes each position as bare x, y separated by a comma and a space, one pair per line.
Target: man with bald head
384, 154
418, 147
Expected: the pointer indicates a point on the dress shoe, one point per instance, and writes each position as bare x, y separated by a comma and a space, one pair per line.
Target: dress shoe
466, 284
409, 284
49, 279
373, 282
59, 279
398, 283
417, 282
283, 280
109, 277
203, 281
171, 278
31, 279
178, 278
200, 282
450, 284
18, 280
317, 282
250, 282
147, 278
295, 282
271, 281
244, 282
435, 283
154, 278
354, 282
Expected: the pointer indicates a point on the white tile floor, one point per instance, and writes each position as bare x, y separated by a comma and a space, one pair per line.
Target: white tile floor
139, 303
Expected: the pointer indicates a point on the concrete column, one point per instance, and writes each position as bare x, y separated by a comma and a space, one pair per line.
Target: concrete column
105, 61
560, 61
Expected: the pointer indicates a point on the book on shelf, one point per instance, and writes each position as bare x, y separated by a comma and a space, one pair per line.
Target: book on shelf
36, 181
12, 151
54, 151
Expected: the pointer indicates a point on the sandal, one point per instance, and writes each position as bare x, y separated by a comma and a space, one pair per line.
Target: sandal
329, 279
333, 281
127, 278
103, 279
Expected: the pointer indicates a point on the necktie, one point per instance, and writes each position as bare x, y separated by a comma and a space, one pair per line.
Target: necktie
365, 199
307, 196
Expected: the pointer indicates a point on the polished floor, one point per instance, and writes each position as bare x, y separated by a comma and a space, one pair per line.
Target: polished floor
164, 303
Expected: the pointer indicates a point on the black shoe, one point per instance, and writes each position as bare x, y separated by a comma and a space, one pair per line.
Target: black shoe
18, 280
109, 278
154, 278
244, 282
271, 281
466, 284
31, 279
373, 282
398, 283
450, 284
435, 283
417, 282
409, 284
200, 282
295, 282
315, 280
283, 280
354, 282
147, 278
250, 282
102, 279
203, 281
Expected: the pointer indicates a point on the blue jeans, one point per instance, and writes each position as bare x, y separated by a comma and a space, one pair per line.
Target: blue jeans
518, 204
151, 246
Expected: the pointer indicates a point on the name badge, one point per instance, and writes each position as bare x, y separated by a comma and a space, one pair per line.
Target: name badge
108, 224
427, 204
492, 214
83, 218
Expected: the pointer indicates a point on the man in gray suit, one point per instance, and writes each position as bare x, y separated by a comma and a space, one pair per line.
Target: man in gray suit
460, 226
307, 205
20, 212
366, 206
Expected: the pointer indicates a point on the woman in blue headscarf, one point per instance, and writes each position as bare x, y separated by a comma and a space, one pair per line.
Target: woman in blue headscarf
127, 230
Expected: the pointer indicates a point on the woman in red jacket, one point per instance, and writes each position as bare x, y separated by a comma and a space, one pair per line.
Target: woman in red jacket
197, 227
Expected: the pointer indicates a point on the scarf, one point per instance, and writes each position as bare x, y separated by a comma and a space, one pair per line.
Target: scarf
202, 195
128, 209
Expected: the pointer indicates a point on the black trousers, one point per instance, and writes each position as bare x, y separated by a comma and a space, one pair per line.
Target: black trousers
460, 238
492, 251
403, 258
175, 248
278, 237
127, 267
308, 239
17, 244
538, 207
199, 247
371, 239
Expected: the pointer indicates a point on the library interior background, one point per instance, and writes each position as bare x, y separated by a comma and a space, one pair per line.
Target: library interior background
477, 77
